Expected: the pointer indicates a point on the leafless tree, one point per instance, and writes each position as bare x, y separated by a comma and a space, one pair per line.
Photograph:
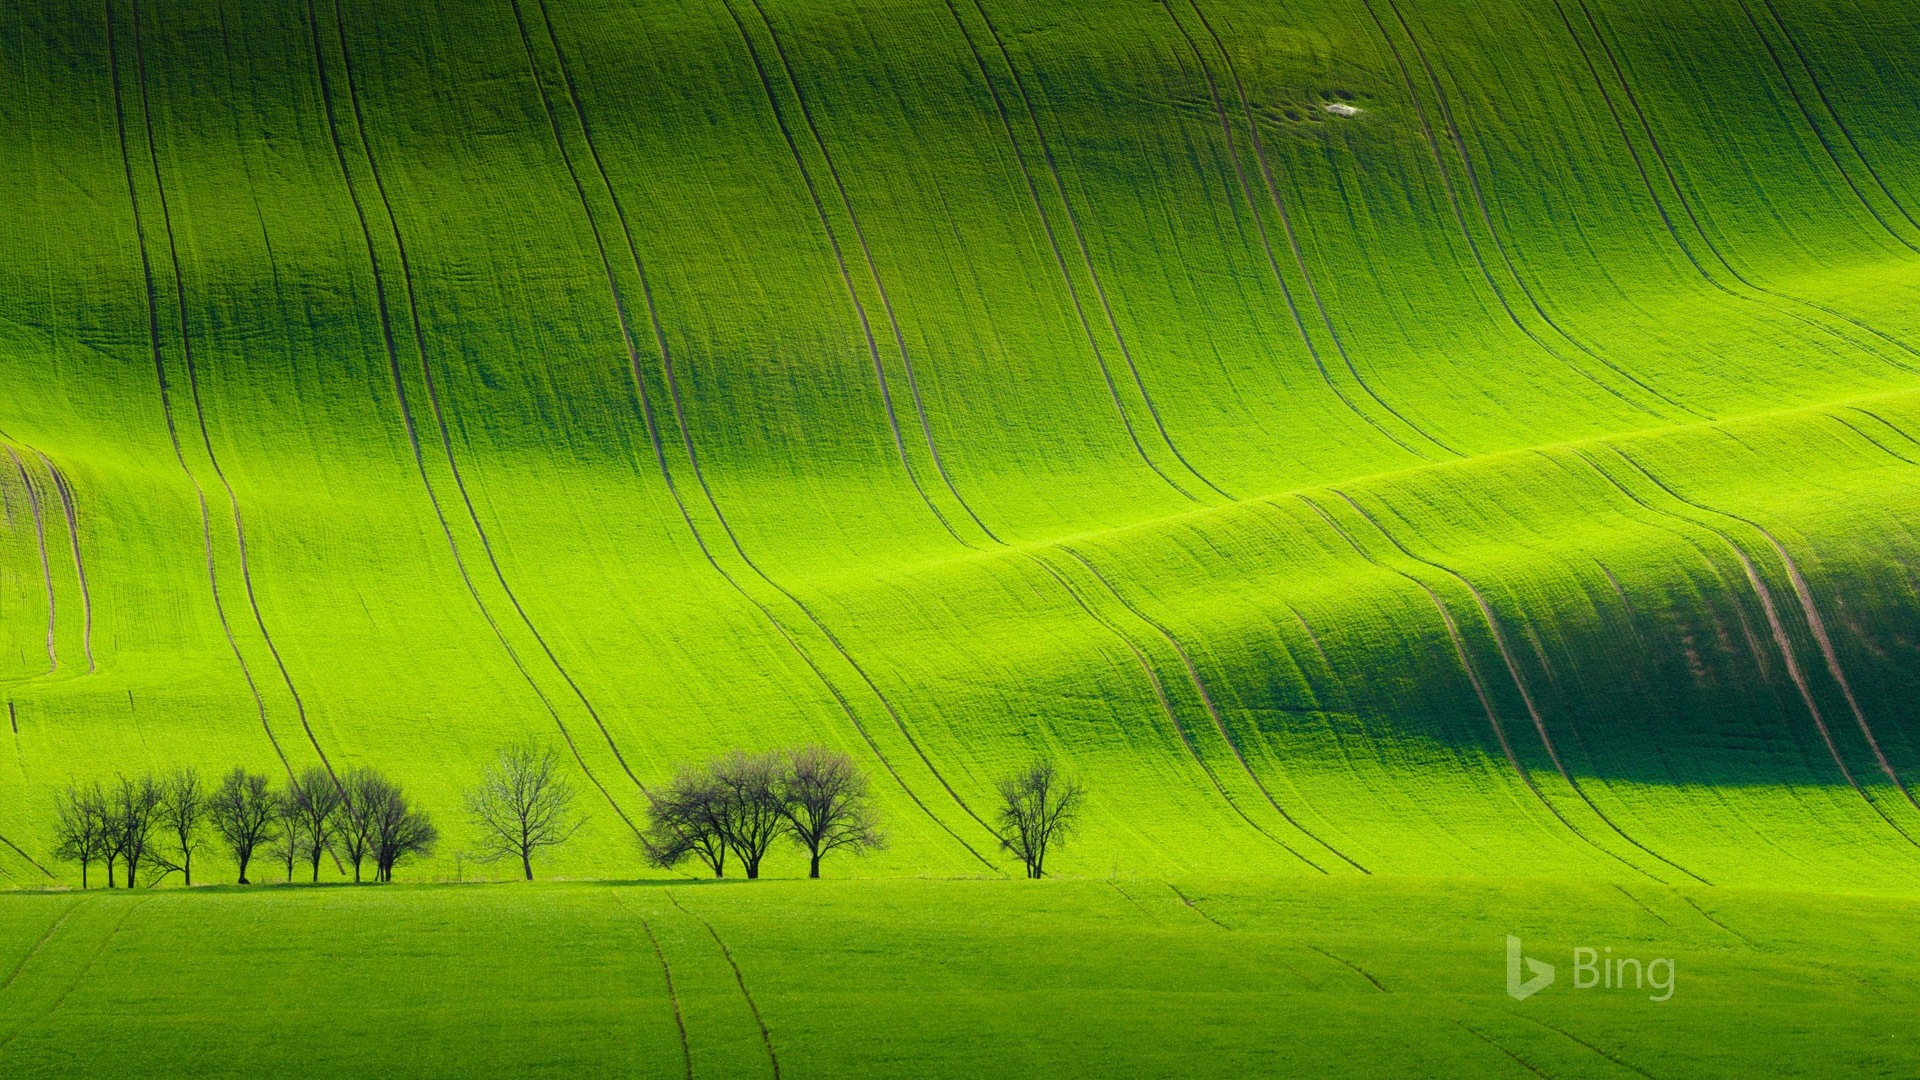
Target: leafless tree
748, 804
245, 812
398, 829
361, 792
316, 803
133, 811
824, 798
522, 804
1039, 807
287, 844
183, 809
685, 822
80, 829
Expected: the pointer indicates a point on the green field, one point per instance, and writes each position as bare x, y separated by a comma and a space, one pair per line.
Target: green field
1389, 450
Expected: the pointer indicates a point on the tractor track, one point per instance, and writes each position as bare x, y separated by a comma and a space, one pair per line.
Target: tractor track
652, 427
383, 310
1780, 637
1479, 690
1266, 243
160, 372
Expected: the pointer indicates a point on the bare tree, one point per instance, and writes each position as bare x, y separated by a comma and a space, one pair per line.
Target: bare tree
287, 846
361, 790
523, 803
182, 811
397, 828
685, 822
80, 830
824, 798
133, 811
316, 801
1039, 807
246, 814
748, 804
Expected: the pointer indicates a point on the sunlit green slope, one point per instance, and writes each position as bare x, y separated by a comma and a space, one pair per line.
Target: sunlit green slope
1355, 437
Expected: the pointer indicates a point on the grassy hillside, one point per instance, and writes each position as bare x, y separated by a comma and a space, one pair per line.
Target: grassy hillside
1356, 438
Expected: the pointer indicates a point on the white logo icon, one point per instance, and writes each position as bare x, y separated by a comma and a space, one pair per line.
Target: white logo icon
1542, 972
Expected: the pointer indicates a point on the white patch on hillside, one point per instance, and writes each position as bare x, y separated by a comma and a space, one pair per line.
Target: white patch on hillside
1341, 108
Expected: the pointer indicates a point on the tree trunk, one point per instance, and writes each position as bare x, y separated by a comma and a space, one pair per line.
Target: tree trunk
814, 869
186, 871
244, 859
526, 864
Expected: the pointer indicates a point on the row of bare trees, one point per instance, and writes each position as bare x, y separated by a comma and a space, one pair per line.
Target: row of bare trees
355, 817
733, 807
740, 803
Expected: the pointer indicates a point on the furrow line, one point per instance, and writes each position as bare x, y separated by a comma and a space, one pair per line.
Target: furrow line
1809, 610
1780, 638
166, 396
1356, 968
1500, 246
1197, 909
1693, 217
1520, 683
686, 438
67, 506
766, 1037
666, 971
1073, 293
1834, 114
1266, 244
1166, 707
886, 302
1490, 1041
199, 409
17, 849
434, 404
85, 971
1213, 711
1479, 690
839, 257
46, 564
406, 417
38, 945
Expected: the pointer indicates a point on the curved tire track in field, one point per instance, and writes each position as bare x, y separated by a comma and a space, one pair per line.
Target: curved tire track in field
686, 438
1780, 637
766, 1037
1080, 242
92, 962
1486, 216
1492, 231
46, 564
873, 272
1833, 156
1213, 711
1520, 683
383, 309
1266, 244
30, 860
666, 971
1693, 216
67, 506
38, 945
199, 409
1166, 708
1479, 689
69, 509
439, 415
160, 372
1810, 611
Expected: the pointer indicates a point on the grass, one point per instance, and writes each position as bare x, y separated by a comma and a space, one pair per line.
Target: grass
1127, 976
1514, 474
